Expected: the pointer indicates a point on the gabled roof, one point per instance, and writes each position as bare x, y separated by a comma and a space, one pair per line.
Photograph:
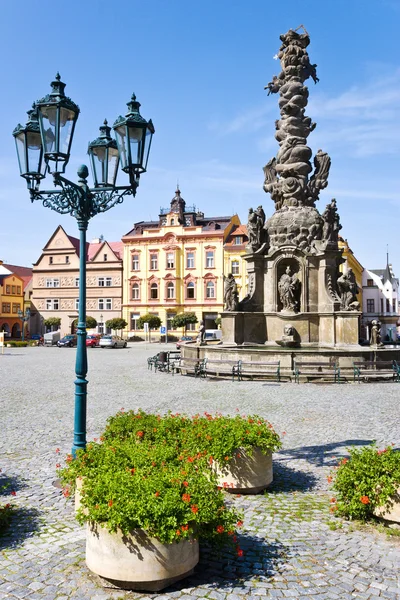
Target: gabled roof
94, 249
25, 273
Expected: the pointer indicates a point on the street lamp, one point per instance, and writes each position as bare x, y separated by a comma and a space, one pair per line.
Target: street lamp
24, 319
44, 145
102, 324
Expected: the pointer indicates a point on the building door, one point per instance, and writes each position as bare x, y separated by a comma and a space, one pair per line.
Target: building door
16, 331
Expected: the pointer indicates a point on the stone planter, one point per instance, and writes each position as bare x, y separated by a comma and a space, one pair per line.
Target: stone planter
393, 514
246, 474
137, 561
78, 487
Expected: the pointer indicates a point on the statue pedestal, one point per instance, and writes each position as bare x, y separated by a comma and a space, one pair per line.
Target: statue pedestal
243, 328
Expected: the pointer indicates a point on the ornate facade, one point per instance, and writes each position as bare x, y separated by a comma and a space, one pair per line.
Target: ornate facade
175, 265
55, 285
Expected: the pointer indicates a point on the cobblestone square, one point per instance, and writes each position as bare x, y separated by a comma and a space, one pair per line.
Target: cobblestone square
293, 547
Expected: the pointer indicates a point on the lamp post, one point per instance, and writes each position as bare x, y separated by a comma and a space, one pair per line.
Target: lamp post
24, 319
43, 147
102, 323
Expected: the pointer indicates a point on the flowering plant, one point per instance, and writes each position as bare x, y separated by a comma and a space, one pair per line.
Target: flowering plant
368, 480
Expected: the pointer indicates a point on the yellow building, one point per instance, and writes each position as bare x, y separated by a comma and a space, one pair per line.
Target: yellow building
11, 301
350, 262
175, 265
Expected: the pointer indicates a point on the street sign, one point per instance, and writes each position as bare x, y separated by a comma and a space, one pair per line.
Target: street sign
163, 330
146, 327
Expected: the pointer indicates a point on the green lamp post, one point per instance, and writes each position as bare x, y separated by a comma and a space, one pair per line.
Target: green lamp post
44, 146
24, 318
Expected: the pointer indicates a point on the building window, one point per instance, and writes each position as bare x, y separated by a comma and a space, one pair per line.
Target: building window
237, 240
13, 289
100, 281
100, 327
210, 259
108, 281
135, 262
235, 267
387, 305
191, 327
52, 304
18, 289
52, 283
76, 281
105, 304
190, 260
15, 308
394, 305
370, 282
105, 257
6, 307
50, 260
170, 290
135, 291
370, 306
172, 221
67, 260
134, 321
153, 262
170, 317
76, 303
170, 260
154, 291
210, 289
382, 305
8, 289
190, 290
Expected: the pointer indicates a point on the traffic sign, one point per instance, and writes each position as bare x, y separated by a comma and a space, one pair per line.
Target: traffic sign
163, 330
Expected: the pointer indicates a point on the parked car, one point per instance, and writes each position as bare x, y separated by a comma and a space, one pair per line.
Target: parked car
184, 338
93, 340
112, 341
68, 341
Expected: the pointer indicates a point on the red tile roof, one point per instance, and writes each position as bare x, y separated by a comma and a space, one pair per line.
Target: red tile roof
24, 272
116, 247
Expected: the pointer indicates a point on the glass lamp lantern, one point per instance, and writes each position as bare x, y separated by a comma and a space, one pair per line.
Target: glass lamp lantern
57, 118
133, 134
104, 158
28, 142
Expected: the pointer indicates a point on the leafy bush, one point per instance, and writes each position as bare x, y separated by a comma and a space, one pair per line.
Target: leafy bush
91, 323
52, 322
18, 344
183, 320
135, 338
367, 480
116, 324
153, 321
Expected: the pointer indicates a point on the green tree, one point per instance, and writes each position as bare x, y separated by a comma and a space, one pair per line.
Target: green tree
183, 320
218, 322
91, 322
153, 321
116, 324
52, 322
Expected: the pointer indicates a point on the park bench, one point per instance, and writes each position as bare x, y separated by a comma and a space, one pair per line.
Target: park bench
375, 369
188, 365
316, 370
215, 366
258, 369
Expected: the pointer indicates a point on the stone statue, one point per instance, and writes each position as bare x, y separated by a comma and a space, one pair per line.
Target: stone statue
331, 226
289, 337
376, 338
319, 180
202, 333
255, 228
348, 290
230, 293
289, 288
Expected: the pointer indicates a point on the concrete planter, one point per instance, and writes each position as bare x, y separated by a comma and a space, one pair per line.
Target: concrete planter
78, 495
137, 561
246, 474
393, 514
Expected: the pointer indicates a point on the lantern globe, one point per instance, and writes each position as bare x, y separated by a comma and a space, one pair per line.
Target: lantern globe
104, 158
30, 150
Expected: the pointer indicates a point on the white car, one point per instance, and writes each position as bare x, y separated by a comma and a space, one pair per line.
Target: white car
112, 341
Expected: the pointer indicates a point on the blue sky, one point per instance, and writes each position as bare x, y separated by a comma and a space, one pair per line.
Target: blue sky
199, 69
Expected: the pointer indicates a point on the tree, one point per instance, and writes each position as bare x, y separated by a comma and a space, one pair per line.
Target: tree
183, 320
153, 321
116, 324
52, 322
218, 322
91, 322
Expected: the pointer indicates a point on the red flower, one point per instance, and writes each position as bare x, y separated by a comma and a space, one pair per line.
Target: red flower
239, 551
220, 529
283, 432
185, 483
13, 493
69, 458
110, 503
364, 499
238, 495
132, 471
153, 463
58, 465
190, 459
185, 527
102, 438
57, 450
194, 509
343, 461
178, 532
329, 478
66, 493
157, 494
186, 497
226, 457
140, 434
240, 523
95, 439
211, 460
381, 452
333, 500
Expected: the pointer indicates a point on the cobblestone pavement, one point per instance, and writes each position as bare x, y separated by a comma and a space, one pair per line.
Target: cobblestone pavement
293, 547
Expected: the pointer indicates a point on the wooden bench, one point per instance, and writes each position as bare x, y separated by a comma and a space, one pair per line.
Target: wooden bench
316, 370
258, 369
188, 365
216, 366
375, 369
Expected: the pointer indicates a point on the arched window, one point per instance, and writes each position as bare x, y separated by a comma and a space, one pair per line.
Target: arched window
135, 291
210, 289
172, 221
170, 290
154, 291
190, 290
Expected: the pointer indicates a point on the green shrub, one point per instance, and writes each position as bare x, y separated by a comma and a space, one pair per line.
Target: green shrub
367, 480
18, 344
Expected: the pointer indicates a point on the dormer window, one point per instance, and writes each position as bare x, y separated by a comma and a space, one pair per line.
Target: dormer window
105, 257
67, 260
237, 240
172, 221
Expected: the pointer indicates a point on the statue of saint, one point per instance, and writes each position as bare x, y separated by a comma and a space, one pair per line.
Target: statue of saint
376, 338
348, 290
230, 293
332, 226
202, 333
289, 288
255, 228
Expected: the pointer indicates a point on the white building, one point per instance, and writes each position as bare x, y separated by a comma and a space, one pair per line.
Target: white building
380, 301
